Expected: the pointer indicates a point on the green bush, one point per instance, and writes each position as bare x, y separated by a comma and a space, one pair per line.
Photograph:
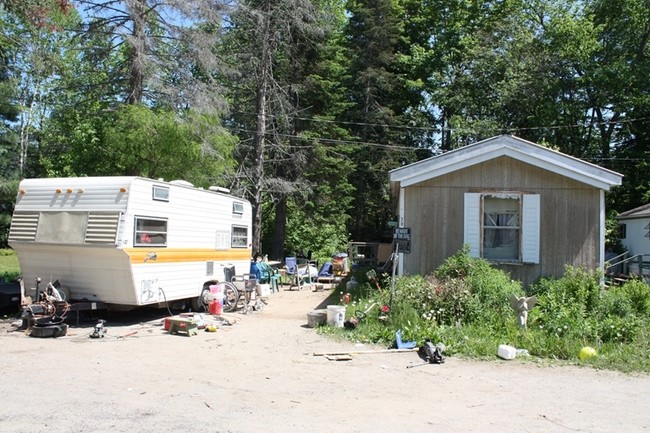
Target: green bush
638, 293
465, 305
9, 268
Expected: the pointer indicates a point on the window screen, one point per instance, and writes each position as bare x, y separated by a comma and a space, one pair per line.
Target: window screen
150, 232
239, 237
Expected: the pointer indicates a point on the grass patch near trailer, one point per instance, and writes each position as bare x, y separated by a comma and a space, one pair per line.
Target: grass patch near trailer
465, 305
9, 268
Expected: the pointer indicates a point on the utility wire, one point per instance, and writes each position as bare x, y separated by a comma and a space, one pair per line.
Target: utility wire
467, 130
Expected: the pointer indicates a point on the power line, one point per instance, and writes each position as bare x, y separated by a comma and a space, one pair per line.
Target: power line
437, 129
333, 141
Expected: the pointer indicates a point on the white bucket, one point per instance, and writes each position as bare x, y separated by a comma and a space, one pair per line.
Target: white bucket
264, 290
336, 315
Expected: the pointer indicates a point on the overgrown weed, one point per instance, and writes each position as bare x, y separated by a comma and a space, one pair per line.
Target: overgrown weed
465, 305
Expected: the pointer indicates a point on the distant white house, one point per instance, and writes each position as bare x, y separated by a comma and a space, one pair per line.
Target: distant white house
634, 230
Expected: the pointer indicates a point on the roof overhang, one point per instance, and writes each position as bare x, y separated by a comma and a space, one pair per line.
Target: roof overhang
510, 146
639, 212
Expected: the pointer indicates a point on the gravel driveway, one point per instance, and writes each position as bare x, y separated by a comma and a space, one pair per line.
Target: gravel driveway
260, 375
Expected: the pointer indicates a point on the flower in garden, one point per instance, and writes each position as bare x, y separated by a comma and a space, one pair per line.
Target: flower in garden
385, 309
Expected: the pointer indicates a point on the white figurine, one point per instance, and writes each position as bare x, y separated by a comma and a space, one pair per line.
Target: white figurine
521, 305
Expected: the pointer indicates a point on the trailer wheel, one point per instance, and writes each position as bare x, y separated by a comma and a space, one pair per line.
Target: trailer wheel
201, 302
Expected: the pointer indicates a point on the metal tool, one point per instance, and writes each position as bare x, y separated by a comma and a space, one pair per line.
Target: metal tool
358, 316
99, 330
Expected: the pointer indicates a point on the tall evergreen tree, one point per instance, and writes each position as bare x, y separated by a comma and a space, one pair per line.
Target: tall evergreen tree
382, 104
280, 91
620, 95
9, 109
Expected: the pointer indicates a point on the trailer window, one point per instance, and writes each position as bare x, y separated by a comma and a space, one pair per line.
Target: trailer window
239, 237
150, 232
160, 193
237, 208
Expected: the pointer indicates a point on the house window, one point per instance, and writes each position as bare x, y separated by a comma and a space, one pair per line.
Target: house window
239, 237
622, 231
503, 226
150, 232
160, 193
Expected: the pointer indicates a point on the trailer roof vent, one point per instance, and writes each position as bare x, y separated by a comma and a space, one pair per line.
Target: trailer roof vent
181, 183
219, 189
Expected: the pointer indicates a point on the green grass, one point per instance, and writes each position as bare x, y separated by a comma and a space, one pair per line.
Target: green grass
465, 306
9, 268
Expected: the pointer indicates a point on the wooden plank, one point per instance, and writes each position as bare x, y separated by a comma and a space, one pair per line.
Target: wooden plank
365, 352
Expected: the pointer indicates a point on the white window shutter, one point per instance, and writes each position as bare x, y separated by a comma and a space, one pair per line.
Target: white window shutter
530, 227
472, 223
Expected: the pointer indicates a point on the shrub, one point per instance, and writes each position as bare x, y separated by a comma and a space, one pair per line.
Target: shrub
465, 305
638, 292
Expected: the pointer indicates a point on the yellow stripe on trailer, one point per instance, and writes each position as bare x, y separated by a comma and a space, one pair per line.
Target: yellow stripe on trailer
179, 255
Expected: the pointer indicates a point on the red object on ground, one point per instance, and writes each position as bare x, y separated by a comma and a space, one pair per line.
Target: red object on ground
215, 307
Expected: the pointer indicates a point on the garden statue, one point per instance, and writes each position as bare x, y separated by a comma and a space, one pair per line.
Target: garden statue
521, 305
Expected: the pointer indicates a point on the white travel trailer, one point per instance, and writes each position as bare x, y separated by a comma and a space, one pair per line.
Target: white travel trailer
130, 241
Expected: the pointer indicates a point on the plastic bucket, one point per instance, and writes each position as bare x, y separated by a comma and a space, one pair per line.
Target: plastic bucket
335, 315
216, 306
217, 288
264, 290
217, 291
316, 318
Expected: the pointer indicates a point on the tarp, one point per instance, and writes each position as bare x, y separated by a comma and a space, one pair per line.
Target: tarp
326, 270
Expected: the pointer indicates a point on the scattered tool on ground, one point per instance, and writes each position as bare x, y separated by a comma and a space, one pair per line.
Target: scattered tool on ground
99, 329
364, 352
430, 353
358, 316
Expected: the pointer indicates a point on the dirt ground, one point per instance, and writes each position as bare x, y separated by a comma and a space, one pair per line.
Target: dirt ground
261, 375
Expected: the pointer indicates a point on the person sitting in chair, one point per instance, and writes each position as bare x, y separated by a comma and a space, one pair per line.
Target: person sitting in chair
255, 267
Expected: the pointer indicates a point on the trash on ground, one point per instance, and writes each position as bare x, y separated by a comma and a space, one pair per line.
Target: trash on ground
403, 344
506, 352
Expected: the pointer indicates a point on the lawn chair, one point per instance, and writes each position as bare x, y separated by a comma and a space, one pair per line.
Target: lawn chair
293, 273
268, 275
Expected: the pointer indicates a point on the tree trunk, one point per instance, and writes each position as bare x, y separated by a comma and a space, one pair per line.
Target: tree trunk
137, 56
260, 137
280, 229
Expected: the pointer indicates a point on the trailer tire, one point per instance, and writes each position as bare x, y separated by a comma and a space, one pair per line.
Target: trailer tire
200, 303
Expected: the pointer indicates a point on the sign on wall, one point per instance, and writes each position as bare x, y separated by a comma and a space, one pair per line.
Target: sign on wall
402, 239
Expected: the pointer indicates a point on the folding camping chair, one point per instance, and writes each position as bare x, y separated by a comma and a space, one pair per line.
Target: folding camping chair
293, 272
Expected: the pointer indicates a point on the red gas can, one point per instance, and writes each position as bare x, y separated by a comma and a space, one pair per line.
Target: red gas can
215, 307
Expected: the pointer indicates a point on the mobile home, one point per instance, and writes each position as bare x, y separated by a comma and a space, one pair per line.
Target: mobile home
129, 241
527, 209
